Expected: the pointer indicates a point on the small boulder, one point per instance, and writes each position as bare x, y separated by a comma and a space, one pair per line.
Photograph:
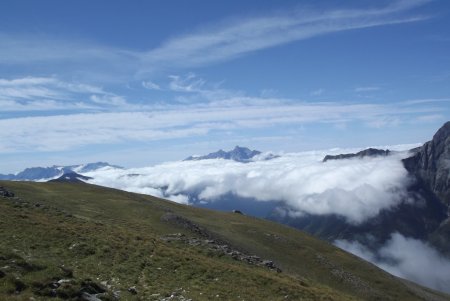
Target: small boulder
6, 193
133, 290
89, 297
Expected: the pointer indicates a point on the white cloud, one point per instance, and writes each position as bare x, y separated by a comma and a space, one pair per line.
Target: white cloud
150, 85
189, 83
431, 118
383, 121
355, 189
51, 93
317, 92
407, 258
168, 121
26, 81
109, 99
238, 37
367, 89
425, 101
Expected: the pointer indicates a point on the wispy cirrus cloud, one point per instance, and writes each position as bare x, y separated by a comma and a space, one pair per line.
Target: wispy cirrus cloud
28, 94
366, 89
317, 92
214, 43
239, 36
26, 49
148, 84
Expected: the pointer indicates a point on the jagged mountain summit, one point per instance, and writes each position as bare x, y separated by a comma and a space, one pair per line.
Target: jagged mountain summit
239, 154
431, 164
369, 152
53, 172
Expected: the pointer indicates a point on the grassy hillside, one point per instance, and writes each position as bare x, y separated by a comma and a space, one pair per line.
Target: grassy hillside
83, 242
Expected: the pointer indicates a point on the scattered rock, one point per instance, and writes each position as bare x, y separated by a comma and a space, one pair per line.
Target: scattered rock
19, 285
354, 281
133, 290
220, 247
185, 223
116, 295
175, 296
89, 297
237, 211
67, 271
6, 193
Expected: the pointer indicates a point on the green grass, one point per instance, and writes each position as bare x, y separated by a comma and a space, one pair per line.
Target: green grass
94, 236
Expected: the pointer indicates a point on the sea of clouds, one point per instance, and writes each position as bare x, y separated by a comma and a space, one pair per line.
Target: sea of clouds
356, 189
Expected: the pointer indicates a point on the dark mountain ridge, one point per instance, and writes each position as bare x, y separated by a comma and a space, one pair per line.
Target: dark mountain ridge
369, 152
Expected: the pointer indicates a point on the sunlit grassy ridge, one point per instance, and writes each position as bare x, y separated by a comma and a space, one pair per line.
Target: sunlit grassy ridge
60, 240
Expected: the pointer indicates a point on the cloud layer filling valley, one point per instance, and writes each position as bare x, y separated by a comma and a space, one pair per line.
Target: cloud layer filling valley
356, 189
407, 258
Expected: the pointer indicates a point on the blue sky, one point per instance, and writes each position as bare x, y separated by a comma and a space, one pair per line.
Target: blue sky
141, 82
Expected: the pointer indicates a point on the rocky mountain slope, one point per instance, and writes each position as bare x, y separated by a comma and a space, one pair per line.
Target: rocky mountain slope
75, 241
430, 164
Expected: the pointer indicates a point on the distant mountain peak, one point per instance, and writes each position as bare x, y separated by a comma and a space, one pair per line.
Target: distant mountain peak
53, 172
71, 177
369, 152
239, 154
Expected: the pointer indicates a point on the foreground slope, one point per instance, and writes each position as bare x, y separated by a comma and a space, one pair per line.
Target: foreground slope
84, 242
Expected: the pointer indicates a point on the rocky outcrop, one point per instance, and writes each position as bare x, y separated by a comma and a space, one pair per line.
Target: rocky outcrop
207, 239
220, 247
370, 152
430, 164
6, 193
